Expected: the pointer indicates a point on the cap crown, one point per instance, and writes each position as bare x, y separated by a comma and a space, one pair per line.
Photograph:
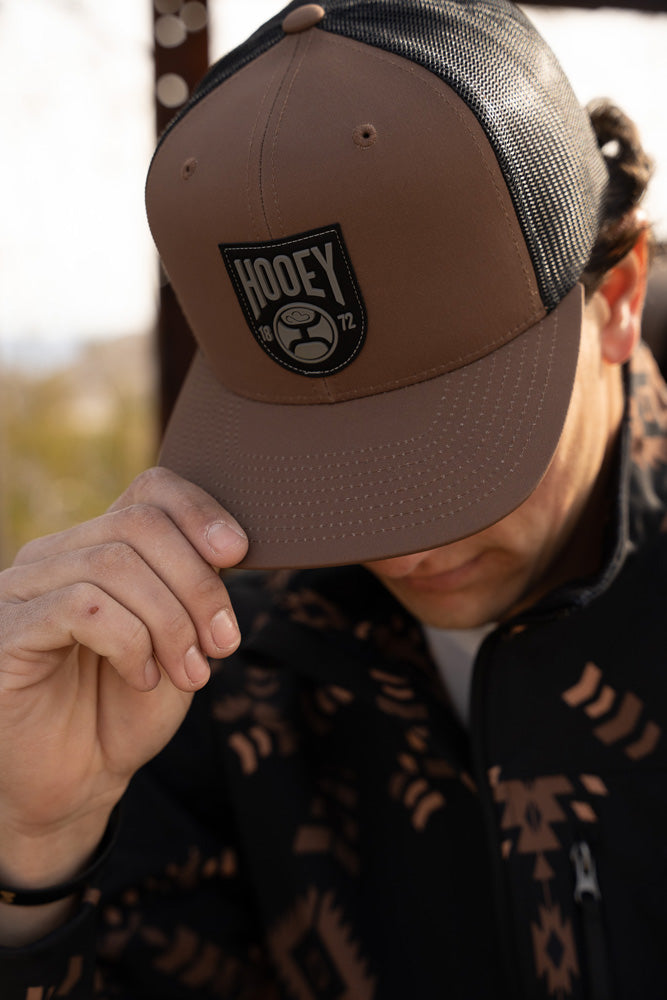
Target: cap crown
492, 56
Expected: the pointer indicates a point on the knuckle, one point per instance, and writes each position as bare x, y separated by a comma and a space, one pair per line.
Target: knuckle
154, 474
28, 553
82, 596
113, 558
179, 633
11, 620
147, 484
209, 589
143, 518
135, 638
151, 481
9, 582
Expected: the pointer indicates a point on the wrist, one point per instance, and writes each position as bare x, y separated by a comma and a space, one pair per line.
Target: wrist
37, 869
29, 911
15, 894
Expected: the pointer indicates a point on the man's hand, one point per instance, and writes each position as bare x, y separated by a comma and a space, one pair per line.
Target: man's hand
104, 633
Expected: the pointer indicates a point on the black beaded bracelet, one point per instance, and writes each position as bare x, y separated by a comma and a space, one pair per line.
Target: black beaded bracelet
39, 897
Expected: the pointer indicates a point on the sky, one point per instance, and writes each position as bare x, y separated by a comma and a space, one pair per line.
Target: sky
76, 256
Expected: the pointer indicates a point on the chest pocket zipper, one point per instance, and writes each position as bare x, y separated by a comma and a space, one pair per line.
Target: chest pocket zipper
588, 897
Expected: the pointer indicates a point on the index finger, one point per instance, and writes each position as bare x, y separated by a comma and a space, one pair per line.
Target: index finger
211, 530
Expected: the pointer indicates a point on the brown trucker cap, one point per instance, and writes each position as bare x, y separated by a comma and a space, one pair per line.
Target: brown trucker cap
374, 214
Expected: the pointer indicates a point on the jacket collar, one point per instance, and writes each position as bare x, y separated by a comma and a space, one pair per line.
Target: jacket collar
639, 485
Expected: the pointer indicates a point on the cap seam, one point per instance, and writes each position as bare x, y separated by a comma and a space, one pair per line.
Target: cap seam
269, 90
264, 138
405, 383
415, 70
303, 43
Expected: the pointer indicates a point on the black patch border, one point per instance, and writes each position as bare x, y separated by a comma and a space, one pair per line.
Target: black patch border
226, 251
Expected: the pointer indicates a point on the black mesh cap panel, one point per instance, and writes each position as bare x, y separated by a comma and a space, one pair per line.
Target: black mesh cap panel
492, 56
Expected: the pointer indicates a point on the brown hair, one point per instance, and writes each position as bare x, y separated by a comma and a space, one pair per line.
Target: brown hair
630, 169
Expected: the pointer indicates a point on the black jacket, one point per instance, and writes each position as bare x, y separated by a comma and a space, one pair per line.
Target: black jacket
321, 826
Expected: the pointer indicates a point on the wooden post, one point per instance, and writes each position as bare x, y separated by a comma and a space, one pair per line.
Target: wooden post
181, 58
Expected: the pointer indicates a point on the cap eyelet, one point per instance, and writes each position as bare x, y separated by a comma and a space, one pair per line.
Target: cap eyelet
365, 135
188, 168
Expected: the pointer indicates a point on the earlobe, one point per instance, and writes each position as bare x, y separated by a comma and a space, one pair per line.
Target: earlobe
623, 292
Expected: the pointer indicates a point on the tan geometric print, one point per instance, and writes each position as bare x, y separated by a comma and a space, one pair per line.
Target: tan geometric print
322, 706
555, 952
183, 953
178, 952
312, 609
602, 703
315, 954
193, 961
622, 724
598, 700
583, 811
647, 742
532, 806
118, 933
542, 872
72, 978
74, 972
412, 783
594, 784
264, 730
397, 697
197, 963
332, 827
332, 697
401, 640
585, 687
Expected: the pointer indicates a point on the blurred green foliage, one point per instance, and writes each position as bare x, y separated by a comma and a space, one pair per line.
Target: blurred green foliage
71, 441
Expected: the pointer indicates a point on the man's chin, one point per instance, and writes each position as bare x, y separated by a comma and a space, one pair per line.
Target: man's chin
459, 610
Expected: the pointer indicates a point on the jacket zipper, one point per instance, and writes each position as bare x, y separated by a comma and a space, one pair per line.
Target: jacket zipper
588, 897
504, 920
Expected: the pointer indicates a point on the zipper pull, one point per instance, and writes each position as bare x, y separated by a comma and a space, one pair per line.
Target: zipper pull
588, 897
585, 872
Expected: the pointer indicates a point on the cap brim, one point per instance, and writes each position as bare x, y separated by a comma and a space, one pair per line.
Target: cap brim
386, 475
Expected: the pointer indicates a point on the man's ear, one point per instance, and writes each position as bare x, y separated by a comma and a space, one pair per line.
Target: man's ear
623, 291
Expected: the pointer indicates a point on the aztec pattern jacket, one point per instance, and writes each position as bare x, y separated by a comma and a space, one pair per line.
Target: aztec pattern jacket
321, 827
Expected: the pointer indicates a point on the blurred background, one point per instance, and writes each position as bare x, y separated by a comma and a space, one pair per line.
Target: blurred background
84, 319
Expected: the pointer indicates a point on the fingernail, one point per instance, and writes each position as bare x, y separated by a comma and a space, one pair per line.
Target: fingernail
224, 534
224, 630
151, 674
196, 667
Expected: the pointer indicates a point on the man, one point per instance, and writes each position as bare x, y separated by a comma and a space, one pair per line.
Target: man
417, 286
